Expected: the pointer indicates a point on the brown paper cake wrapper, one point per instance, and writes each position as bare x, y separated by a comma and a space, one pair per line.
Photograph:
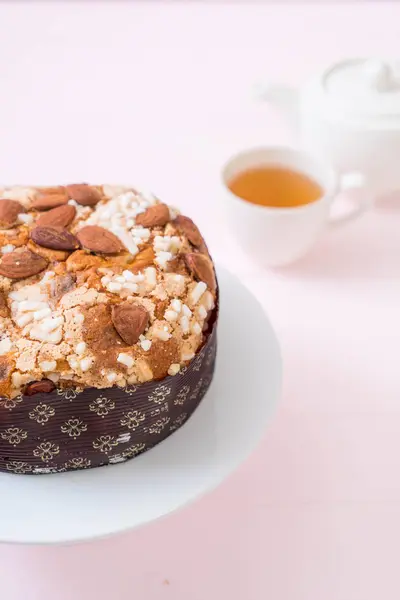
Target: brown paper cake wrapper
66, 430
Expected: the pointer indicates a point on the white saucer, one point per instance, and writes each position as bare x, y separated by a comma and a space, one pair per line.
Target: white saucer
222, 432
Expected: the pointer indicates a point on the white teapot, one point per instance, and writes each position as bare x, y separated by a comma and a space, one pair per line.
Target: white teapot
349, 115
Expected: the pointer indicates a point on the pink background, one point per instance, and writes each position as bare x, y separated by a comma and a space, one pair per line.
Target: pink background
162, 94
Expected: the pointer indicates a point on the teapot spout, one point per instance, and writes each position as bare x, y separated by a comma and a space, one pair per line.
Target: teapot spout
285, 98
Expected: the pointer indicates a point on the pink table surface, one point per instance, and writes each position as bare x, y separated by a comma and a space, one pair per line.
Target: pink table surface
160, 94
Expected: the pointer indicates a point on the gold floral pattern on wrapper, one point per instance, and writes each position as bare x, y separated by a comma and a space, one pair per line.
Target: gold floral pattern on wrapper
14, 435
178, 422
10, 403
158, 426
130, 389
46, 451
182, 395
77, 463
19, 467
133, 419
69, 393
42, 413
102, 406
74, 427
134, 450
69, 429
160, 394
105, 443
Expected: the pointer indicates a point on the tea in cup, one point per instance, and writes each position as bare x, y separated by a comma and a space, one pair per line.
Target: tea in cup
279, 201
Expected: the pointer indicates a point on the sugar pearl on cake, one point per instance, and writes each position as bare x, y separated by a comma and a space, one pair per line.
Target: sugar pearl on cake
141, 232
47, 277
176, 305
40, 334
53, 377
170, 315
48, 365
162, 259
28, 305
151, 276
80, 348
195, 327
174, 369
208, 300
131, 286
25, 219
184, 323
145, 344
51, 323
16, 379
24, 319
5, 346
186, 311
197, 292
73, 363
201, 312
114, 286
162, 334
7, 248
125, 359
85, 364
128, 275
38, 315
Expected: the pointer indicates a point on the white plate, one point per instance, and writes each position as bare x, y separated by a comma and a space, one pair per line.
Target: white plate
222, 432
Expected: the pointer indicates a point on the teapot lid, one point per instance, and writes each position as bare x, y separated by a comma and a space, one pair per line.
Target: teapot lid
364, 87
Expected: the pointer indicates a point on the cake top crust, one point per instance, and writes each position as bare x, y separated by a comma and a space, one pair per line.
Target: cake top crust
100, 285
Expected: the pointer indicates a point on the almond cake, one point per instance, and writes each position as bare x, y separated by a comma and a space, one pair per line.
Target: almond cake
102, 287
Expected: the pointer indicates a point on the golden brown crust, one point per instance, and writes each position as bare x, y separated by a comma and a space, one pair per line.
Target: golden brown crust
6, 366
162, 355
101, 336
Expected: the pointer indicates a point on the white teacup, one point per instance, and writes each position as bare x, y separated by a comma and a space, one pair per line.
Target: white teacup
280, 236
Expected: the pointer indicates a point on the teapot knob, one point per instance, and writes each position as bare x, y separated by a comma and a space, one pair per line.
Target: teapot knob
379, 75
